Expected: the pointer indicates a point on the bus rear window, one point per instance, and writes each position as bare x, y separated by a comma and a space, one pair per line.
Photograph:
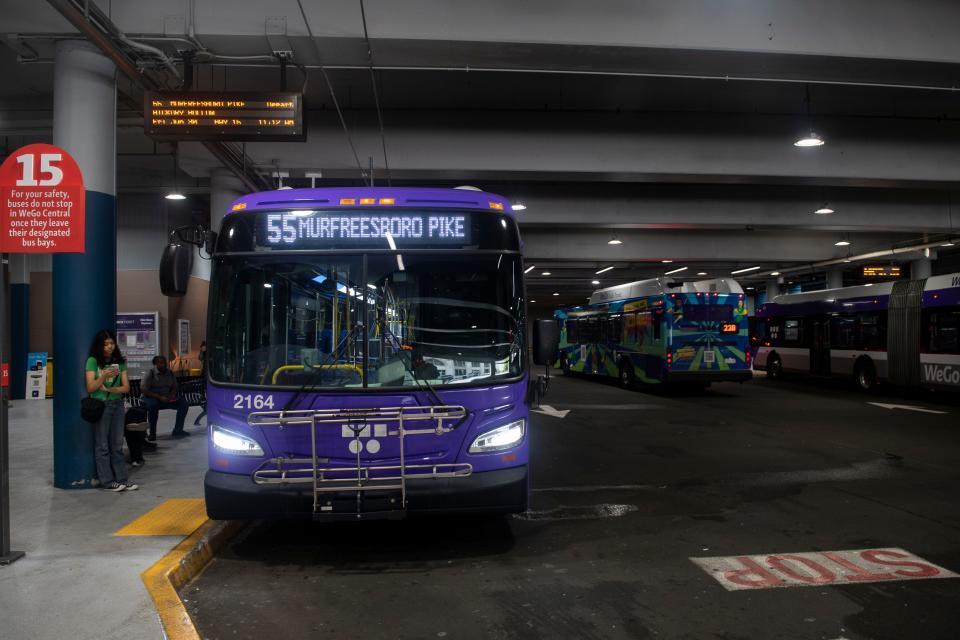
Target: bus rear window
707, 312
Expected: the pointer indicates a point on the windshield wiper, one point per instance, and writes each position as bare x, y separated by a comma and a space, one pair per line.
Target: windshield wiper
319, 369
433, 392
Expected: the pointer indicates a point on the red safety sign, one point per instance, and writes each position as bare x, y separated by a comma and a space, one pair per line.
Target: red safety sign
41, 201
819, 568
4, 375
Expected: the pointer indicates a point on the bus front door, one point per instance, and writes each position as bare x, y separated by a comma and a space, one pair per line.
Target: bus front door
820, 347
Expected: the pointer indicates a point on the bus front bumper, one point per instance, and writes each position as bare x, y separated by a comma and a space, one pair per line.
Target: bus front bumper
738, 375
236, 497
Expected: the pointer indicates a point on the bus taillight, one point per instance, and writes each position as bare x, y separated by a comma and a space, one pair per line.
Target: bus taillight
669, 358
747, 356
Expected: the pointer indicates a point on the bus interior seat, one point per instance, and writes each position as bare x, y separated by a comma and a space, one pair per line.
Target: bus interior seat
391, 373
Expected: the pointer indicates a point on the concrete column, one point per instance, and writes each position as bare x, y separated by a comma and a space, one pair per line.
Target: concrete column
920, 268
19, 324
834, 278
84, 285
225, 187
773, 289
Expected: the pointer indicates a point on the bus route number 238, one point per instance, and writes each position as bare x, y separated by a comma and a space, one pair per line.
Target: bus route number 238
248, 401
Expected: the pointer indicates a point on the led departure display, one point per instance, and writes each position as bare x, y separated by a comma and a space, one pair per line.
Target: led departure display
881, 271
174, 115
386, 230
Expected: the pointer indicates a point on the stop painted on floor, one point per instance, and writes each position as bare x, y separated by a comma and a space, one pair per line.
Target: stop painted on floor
819, 568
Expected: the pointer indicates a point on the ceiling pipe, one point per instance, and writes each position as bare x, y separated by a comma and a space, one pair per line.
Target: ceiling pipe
884, 253
75, 16
629, 74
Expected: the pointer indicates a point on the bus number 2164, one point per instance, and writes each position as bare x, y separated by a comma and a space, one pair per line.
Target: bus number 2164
241, 401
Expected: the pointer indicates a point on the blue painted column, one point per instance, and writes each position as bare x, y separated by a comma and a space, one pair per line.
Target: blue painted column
84, 285
19, 323
19, 338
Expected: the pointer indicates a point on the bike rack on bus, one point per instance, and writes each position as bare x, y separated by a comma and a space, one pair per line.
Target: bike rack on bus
359, 478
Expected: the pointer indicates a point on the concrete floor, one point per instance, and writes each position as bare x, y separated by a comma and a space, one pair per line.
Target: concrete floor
626, 488
77, 580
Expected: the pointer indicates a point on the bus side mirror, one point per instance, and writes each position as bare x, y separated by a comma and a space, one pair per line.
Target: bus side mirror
175, 264
546, 341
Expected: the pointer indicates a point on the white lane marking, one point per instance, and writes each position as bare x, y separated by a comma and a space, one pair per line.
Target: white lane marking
609, 487
590, 512
547, 410
821, 568
615, 407
908, 407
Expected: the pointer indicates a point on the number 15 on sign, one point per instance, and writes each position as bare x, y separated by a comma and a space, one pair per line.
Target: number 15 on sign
42, 201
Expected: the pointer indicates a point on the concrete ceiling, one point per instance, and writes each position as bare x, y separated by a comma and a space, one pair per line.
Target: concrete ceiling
668, 123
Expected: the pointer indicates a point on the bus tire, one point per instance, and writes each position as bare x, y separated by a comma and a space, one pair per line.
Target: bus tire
774, 367
626, 374
865, 375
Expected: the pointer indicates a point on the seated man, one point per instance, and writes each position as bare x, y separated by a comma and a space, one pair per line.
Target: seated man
159, 391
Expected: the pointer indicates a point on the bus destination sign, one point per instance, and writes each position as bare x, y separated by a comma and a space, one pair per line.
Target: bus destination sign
881, 271
181, 115
308, 229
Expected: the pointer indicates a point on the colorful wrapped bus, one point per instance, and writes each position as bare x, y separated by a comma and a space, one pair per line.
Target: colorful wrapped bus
905, 332
658, 331
367, 354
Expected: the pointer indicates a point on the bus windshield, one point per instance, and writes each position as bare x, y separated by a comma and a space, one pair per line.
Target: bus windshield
442, 319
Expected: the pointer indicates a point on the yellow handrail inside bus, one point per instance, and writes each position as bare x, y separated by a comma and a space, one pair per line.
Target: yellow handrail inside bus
291, 367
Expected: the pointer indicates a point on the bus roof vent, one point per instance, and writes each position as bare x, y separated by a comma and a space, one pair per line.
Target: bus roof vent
716, 285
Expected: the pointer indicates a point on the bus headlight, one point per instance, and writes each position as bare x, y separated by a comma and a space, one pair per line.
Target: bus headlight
501, 438
229, 442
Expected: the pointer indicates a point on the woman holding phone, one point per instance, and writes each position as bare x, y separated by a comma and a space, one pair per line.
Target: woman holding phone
106, 374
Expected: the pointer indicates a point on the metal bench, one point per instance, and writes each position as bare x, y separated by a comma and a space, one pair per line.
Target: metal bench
191, 388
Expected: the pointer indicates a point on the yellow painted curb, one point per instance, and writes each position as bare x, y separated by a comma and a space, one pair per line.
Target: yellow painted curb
178, 567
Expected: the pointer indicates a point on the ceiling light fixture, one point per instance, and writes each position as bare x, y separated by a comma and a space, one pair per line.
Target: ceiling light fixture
518, 206
614, 240
733, 273
809, 140
824, 210
530, 268
842, 243
545, 273
594, 282
604, 270
175, 194
533, 301
948, 243
701, 273
670, 273
666, 261
774, 273
555, 293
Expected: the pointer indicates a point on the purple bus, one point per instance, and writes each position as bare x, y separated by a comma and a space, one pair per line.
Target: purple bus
905, 332
367, 354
